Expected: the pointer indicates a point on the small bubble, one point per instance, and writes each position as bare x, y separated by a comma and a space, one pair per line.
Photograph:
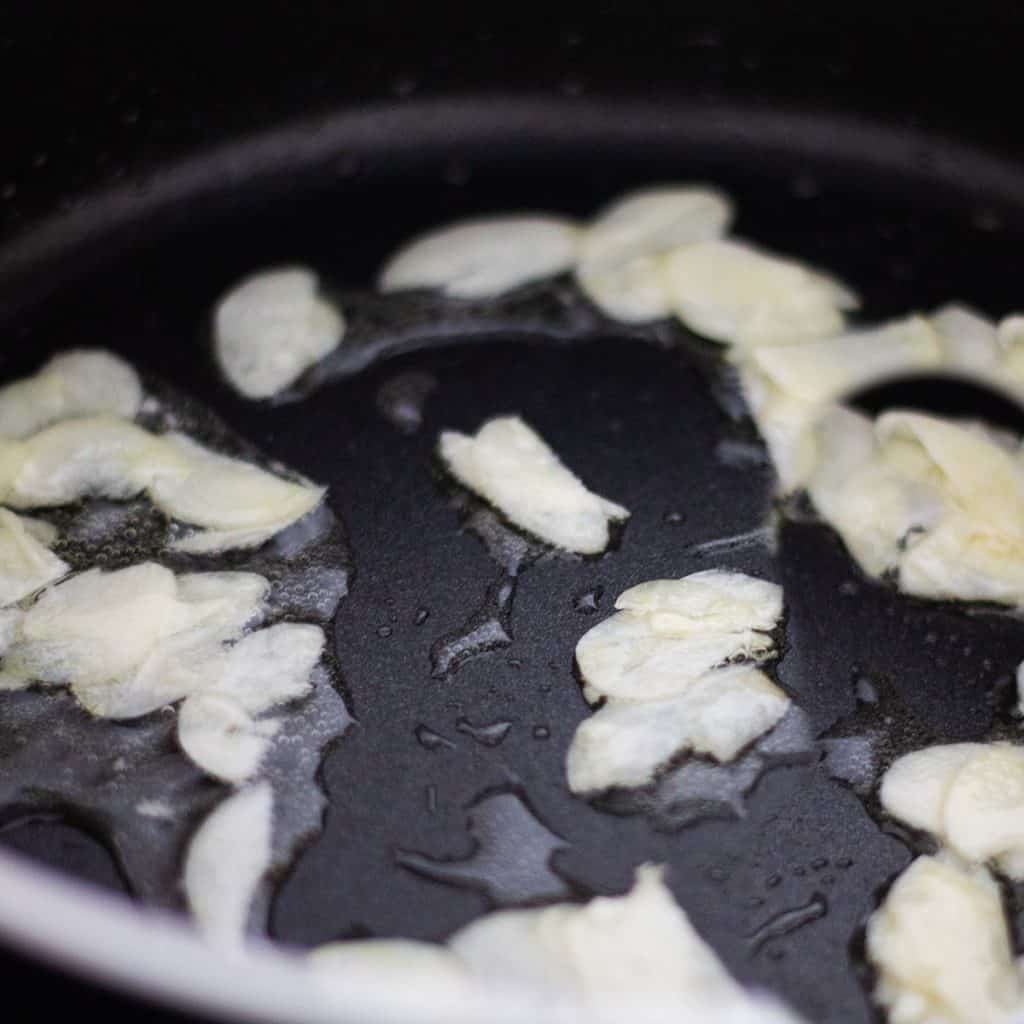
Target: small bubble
541, 732
384, 632
799, 871
756, 901
431, 795
844, 863
718, 874
819, 862
422, 614
931, 638
672, 518
514, 663
848, 589
773, 881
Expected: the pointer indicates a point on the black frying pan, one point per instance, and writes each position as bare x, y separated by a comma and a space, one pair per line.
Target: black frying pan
904, 183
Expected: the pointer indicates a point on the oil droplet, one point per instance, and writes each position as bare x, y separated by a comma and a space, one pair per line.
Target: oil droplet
511, 862
673, 518
541, 732
486, 735
788, 921
430, 740
849, 588
422, 614
384, 632
587, 603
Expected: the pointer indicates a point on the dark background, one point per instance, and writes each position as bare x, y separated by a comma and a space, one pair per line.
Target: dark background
99, 96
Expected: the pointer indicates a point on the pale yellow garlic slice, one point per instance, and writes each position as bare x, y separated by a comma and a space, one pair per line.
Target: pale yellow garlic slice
238, 504
26, 561
82, 382
228, 857
941, 947
272, 327
620, 258
625, 742
822, 371
508, 464
220, 736
788, 426
672, 632
479, 259
1010, 334
131, 641
635, 957
871, 493
732, 292
969, 340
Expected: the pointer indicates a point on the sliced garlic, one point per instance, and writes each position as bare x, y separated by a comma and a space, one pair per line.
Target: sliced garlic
625, 742
969, 341
228, 857
479, 259
1010, 334
671, 632
731, 292
822, 371
220, 736
508, 464
941, 947
82, 382
26, 561
620, 261
271, 327
239, 504
970, 796
131, 641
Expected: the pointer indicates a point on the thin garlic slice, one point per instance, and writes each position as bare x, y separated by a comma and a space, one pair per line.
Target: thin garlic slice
620, 262
272, 327
941, 947
479, 259
822, 371
625, 743
970, 343
131, 641
508, 464
731, 292
669, 633
228, 857
634, 957
238, 504
26, 562
220, 736
82, 382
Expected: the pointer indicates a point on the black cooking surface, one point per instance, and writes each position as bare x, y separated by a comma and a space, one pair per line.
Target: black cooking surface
641, 425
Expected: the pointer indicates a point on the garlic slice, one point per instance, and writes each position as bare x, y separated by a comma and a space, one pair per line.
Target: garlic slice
81, 382
239, 504
941, 947
634, 957
479, 259
508, 464
131, 641
220, 736
970, 796
822, 371
228, 857
734, 293
26, 561
271, 327
620, 263
625, 743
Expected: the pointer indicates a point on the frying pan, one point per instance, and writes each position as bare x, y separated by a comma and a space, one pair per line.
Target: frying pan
152, 159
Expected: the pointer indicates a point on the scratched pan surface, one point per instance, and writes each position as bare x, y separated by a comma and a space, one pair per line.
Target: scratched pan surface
429, 825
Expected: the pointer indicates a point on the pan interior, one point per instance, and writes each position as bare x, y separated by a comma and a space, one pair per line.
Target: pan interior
644, 425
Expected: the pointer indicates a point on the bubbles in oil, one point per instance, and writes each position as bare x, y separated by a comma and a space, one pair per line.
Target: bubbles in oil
428, 739
127, 782
511, 861
491, 735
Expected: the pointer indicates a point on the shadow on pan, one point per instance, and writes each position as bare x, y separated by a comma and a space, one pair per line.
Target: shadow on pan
909, 220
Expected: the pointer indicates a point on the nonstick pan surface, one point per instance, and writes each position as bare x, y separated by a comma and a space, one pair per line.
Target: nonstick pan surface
910, 220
